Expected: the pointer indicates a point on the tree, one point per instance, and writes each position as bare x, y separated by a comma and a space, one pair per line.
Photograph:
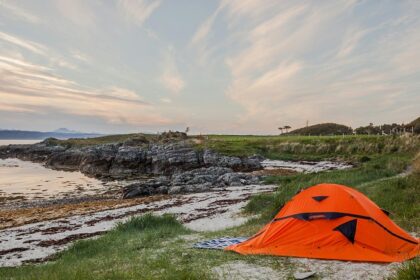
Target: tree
286, 127
281, 130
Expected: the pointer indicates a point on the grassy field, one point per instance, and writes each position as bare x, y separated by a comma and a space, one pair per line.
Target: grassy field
351, 147
152, 247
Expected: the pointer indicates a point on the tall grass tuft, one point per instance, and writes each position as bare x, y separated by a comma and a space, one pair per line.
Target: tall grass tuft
151, 222
409, 270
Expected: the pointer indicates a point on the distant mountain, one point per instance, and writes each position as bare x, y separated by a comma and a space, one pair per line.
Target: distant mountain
61, 133
323, 129
66, 130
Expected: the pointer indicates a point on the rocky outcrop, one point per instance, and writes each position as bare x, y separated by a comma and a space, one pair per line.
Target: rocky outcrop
176, 167
123, 160
197, 180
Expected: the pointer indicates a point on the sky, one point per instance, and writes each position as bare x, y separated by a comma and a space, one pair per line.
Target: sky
229, 66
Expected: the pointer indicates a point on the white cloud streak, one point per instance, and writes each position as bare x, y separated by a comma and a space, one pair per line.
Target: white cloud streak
26, 87
12, 10
314, 61
23, 43
171, 78
138, 11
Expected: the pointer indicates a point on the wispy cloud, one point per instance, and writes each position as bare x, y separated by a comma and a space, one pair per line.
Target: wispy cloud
296, 62
23, 43
171, 78
80, 56
28, 87
10, 9
138, 11
78, 12
39, 49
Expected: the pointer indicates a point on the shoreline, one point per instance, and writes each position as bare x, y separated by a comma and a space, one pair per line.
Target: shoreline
206, 211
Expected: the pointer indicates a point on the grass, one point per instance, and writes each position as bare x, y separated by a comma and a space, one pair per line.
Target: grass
351, 147
131, 251
146, 247
108, 139
408, 271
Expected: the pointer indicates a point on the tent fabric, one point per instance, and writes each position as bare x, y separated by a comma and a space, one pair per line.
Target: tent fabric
343, 225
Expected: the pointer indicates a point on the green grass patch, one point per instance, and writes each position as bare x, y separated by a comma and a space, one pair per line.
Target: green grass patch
134, 250
408, 271
350, 147
108, 139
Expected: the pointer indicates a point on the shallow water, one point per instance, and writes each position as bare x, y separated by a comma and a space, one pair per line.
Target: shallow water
23, 180
5, 142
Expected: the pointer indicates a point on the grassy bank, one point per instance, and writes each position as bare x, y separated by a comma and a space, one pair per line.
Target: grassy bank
350, 147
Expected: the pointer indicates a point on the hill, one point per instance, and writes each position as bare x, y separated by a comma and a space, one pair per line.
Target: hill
415, 125
323, 129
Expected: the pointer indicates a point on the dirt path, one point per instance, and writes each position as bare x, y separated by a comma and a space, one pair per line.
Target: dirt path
201, 211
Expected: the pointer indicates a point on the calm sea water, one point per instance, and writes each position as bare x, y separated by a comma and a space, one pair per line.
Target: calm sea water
4, 142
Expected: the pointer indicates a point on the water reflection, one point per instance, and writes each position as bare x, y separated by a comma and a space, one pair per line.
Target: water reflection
22, 180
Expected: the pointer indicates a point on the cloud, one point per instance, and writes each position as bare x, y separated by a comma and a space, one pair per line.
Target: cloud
12, 10
166, 100
39, 49
76, 54
318, 62
171, 79
27, 87
138, 11
204, 29
77, 12
23, 43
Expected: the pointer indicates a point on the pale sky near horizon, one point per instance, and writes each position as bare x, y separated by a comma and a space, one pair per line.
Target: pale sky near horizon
228, 66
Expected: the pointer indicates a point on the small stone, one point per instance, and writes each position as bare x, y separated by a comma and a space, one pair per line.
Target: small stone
303, 275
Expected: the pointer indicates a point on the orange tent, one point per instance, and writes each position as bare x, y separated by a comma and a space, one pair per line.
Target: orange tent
329, 221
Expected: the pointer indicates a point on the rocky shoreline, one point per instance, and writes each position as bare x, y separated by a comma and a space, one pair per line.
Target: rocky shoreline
157, 168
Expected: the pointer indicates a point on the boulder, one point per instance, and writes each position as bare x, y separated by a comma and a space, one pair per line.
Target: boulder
237, 179
153, 186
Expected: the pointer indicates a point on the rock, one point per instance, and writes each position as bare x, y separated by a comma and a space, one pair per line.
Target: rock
136, 158
173, 157
129, 161
303, 275
66, 160
238, 179
200, 175
211, 158
97, 160
190, 188
197, 180
153, 186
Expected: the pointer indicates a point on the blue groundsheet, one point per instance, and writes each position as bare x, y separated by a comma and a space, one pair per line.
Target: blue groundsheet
219, 243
